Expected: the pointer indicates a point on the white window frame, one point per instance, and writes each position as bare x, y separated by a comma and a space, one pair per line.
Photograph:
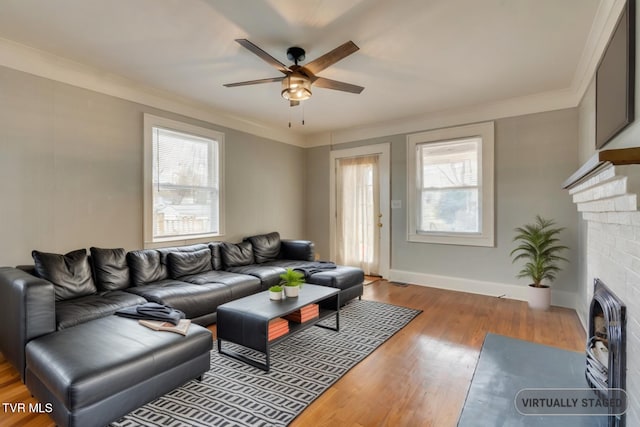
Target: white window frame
150, 122
486, 236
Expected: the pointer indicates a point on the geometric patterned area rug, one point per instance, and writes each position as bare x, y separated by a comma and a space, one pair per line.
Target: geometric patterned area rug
303, 366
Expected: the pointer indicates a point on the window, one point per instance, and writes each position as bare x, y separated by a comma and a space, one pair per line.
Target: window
450, 186
183, 181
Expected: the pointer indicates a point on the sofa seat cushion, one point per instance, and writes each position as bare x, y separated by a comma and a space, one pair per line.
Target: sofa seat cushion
193, 300
240, 285
286, 263
342, 277
97, 360
232, 280
269, 275
80, 310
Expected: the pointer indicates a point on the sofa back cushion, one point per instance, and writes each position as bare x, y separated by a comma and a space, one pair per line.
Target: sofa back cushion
164, 252
216, 255
266, 247
110, 269
302, 250
151, 265
145, 267
236, 254
69, 273
188, 263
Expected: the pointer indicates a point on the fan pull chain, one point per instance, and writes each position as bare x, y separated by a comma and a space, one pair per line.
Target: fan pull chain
302, 113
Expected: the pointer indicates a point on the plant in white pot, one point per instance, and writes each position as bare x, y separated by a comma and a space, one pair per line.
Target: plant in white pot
539, 246
275, 293
292, 280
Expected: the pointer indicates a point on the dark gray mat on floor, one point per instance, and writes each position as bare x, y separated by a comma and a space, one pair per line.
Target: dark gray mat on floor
506, 366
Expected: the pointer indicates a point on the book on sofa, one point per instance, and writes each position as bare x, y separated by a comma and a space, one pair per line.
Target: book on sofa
181, 328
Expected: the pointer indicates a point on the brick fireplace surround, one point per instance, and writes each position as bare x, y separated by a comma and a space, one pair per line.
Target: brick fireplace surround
608, 201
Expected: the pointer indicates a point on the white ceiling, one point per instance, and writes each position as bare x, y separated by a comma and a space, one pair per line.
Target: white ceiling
416, 57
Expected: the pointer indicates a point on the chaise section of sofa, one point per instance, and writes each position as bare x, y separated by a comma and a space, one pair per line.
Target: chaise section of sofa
96, 372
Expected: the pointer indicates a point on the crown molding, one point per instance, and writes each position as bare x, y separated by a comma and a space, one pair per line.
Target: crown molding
602, 27
42, 64
536, 103
29, 60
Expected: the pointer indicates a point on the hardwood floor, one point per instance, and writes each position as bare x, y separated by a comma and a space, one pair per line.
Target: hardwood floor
419, 377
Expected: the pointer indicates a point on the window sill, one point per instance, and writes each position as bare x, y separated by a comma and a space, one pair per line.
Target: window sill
450, 239
181, 240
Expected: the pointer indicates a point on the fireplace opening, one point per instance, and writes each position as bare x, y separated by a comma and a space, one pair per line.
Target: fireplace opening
606, 346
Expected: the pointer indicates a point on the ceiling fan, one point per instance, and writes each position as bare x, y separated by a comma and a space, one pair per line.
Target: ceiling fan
297, 79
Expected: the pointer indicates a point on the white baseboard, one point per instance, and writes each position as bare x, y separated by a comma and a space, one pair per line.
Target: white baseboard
503, 290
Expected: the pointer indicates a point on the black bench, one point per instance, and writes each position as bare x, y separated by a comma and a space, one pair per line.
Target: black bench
96, 372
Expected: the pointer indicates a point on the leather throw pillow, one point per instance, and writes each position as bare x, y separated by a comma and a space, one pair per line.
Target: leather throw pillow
216, 256
145, 267
188, 263
110, 268
69, 273
237, 255
266, 247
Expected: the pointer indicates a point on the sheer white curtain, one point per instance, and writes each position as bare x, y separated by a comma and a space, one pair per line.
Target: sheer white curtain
357, 210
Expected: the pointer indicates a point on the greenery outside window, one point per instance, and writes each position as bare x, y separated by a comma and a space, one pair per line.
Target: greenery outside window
183, 181
450, 186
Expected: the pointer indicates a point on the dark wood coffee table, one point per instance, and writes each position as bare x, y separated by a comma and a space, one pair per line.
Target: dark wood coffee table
245, 321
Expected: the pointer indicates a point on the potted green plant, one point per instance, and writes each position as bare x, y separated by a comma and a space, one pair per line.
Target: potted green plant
539, 246
292, 280
275, 292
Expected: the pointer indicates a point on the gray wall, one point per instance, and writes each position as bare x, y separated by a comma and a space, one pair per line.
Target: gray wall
534, 154
71, 177
71, 172
586, 149
629, 137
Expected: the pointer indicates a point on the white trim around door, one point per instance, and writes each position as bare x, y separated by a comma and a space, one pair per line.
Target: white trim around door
384, 152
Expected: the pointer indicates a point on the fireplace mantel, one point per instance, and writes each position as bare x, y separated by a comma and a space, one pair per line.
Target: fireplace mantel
622, 156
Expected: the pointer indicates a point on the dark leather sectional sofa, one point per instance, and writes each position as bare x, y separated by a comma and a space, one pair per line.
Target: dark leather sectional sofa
67, 300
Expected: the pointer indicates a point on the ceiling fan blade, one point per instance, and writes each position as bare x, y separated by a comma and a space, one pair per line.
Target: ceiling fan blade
294, 103
336, 85
332, 57
255, 82
264, 55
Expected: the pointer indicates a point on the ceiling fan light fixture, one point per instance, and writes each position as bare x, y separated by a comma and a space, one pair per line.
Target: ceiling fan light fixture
296, 88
